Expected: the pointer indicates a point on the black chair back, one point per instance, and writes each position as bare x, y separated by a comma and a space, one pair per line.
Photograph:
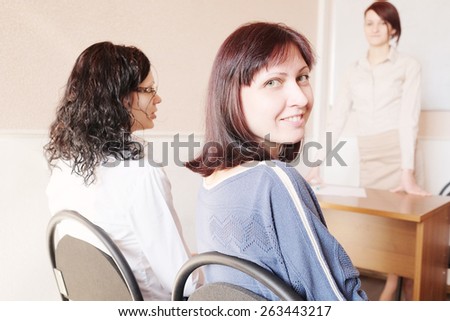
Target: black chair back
228, 292
84, 272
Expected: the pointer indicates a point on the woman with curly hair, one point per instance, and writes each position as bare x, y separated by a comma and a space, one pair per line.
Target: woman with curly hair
98, 166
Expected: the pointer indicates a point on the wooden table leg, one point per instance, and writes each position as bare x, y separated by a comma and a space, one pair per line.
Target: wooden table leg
430, 279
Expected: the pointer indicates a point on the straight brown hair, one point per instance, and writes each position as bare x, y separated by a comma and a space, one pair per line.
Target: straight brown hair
228, 139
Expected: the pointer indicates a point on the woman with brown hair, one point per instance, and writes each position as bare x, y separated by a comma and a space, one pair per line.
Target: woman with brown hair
384, 90
253, 204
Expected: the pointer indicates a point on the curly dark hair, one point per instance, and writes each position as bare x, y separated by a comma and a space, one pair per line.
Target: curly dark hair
92, 122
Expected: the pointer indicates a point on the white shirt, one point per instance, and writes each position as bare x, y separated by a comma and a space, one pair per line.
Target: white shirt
132, 202
385, 97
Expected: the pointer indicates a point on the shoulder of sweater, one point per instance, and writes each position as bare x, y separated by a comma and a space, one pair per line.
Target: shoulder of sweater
290, 170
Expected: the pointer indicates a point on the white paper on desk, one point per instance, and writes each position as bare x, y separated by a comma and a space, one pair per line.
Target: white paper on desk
338, 190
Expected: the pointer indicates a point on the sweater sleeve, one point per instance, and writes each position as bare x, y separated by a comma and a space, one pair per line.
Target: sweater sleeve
316, 263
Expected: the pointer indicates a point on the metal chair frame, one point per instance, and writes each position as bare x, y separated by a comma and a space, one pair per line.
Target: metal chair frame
114, 252
268, 279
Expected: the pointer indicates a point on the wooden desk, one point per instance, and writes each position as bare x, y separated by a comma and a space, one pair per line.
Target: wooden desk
395, 232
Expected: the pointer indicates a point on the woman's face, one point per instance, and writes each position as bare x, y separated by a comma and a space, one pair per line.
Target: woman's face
143, 104
279, 100
378, 32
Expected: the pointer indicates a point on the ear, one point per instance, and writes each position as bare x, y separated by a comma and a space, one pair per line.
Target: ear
126, 101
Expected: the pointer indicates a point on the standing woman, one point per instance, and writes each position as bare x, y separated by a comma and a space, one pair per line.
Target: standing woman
253, 204
384, 89
100, 169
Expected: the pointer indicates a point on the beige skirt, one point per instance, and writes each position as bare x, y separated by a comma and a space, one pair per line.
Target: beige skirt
380, 160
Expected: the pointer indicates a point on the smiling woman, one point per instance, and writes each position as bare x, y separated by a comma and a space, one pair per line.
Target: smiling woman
278, 102
253, 204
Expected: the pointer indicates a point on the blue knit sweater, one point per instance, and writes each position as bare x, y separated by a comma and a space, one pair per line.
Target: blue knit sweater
268, 214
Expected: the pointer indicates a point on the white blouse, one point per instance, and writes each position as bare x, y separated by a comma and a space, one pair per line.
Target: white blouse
132, 202
385, 97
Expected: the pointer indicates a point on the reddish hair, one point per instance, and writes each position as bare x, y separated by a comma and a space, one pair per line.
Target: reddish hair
229, 141
389, 14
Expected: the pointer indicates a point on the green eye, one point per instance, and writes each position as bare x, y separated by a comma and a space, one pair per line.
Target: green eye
303, 79
273, 83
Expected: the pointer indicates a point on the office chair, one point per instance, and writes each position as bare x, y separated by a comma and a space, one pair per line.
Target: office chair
83, 272
221, 291
445, 191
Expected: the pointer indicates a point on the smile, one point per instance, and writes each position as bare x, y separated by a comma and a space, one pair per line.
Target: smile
293, 118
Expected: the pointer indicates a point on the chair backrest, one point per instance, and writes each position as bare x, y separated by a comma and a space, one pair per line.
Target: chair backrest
84, 272
221, 291
228, 292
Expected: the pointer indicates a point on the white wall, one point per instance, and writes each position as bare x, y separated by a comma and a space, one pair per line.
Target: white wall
40, 41
25, 264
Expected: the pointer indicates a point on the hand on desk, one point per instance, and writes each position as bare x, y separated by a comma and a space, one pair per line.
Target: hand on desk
409, 185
